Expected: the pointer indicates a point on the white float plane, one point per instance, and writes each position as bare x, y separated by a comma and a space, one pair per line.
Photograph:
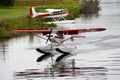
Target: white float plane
57, 37
58, 15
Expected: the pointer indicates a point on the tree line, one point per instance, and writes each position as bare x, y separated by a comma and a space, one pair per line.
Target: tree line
7, 2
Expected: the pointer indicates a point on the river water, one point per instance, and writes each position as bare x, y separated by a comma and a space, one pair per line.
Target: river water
97, 50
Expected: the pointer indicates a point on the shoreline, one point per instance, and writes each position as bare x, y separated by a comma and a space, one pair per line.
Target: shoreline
26, 22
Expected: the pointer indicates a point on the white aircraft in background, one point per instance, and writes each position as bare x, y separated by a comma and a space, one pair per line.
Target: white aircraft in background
58, 15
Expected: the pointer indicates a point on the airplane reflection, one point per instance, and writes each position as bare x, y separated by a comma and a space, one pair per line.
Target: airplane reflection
66, 69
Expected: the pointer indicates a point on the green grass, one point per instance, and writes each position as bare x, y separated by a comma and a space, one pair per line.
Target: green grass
13, 12
44, 2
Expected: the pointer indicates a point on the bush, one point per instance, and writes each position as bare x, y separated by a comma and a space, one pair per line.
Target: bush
6, 2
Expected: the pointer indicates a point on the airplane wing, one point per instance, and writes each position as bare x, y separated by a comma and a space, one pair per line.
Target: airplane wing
65, 32
44, 32
80, 30
53, 10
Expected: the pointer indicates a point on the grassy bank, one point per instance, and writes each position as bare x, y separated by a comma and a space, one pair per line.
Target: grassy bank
18, 18
24, 22
13, 12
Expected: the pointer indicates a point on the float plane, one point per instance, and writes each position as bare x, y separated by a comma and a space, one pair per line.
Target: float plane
58, 15
57, 37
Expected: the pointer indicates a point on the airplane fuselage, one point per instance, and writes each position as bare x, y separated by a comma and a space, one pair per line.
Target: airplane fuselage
50, 14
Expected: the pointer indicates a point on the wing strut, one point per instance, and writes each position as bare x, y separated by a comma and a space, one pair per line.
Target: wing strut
59, 18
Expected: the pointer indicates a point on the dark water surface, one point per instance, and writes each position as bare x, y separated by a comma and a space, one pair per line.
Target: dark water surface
98, 50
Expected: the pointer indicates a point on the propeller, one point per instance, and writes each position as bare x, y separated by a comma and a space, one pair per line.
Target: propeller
49, 35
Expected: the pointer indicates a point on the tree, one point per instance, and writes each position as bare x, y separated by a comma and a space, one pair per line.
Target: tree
6, 2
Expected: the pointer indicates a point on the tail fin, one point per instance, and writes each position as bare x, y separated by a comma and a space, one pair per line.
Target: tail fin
32, 12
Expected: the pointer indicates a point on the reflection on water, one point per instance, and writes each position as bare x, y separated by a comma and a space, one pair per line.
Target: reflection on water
3, 51
65, 69
88, 16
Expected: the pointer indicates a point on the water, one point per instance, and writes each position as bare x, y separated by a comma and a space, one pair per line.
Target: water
100, 49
